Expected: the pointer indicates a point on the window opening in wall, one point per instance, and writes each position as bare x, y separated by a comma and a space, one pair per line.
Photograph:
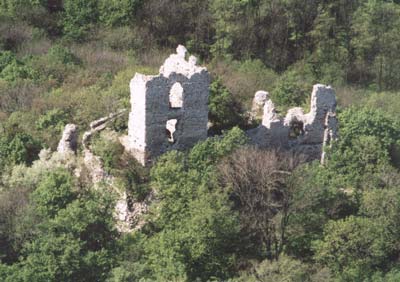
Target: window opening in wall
176, 96
296, 129
170, 130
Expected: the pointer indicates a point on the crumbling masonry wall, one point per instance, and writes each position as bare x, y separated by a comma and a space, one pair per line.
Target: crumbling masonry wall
168, 111
304, 133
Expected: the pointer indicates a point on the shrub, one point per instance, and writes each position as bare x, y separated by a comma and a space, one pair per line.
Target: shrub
17, 70
109, 150
78, 17
6, 58
55, 118
243, 79
289, 92
60, 54
117, 12
283, 269
224, 111
207, 153
21, 148
53, 193
135, 177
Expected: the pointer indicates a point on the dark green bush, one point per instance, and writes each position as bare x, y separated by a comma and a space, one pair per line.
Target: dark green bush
110, 152
6, 58
289, 92
224, 111
20, 148
62, 55
53, 193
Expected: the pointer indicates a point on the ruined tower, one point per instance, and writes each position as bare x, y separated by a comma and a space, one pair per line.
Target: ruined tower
169, 110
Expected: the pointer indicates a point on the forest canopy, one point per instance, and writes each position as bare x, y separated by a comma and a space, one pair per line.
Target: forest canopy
219, 211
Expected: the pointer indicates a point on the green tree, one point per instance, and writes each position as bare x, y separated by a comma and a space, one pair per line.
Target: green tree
289, 91
320, 195
367, 137
194, 231
54, 192
116, 13
283, 269
375, 41
21, 148
68, 249
79, 16
224, 111
355, 247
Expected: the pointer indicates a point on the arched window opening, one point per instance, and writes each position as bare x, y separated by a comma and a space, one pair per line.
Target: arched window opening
176, 96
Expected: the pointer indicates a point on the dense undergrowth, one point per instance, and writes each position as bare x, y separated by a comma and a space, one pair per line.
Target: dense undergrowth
221, 210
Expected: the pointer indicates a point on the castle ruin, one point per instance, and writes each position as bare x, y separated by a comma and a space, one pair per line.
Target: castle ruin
168, 111
304, 133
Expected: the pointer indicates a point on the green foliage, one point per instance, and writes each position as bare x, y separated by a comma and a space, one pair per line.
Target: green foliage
53, 193
283, 269
368, 122
207, 153
374, 44
289, 92
136, 178
366, 139
14, 7
21, 148
52, 119
109, 150
320, 195
224, 111
62, 55
69, 249
17, 70
78, 17
6, 58
197, 227
356, 247
115, 12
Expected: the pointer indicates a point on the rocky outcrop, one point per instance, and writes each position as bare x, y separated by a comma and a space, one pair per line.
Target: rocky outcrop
304, 133
69, 140
169, 110
130, 213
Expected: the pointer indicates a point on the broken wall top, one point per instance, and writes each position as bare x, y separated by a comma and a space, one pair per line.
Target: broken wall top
177, 63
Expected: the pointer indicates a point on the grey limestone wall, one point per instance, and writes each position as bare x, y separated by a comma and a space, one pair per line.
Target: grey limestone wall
168, 111
306, 133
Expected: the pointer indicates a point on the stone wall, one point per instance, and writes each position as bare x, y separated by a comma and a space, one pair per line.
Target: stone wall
304, 133
168, 111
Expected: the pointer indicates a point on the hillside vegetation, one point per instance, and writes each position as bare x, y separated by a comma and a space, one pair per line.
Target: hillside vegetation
222, 211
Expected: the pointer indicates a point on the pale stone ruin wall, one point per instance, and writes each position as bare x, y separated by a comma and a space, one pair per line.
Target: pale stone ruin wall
169, 111
305, 133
